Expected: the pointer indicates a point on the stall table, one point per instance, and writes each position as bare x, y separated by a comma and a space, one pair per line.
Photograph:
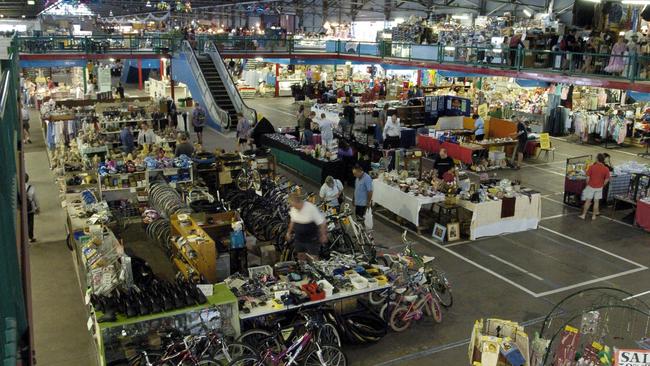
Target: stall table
492, 217
405, 205
269, 310
642, 215
314, 169
464, 153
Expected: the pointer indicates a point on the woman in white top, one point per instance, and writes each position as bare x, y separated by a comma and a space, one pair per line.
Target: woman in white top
330, 191
392, 132
326, 130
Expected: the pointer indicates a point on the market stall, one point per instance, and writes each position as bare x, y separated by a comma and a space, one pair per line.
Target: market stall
406, 205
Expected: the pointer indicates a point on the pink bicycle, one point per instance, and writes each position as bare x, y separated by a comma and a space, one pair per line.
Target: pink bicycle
317, 355
425, 303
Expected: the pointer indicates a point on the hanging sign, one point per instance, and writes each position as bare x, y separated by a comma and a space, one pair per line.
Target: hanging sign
483, 110
104, 79
632, 357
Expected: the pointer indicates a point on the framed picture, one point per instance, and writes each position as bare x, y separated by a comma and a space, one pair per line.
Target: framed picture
439, 232
453, 231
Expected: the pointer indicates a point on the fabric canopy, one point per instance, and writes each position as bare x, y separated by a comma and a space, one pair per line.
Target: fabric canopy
525, 83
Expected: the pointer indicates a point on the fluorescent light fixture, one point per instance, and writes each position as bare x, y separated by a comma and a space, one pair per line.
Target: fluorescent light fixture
450, 48
111, 59
2, 15
496, 50
110, 13
348, 63
31, 2
622, 33
259, 59
636, 2
594, 1
462, 16
528, 13
23, 16
148, 4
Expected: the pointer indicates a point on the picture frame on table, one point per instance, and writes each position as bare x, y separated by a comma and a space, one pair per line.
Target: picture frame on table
439, 232
453, 231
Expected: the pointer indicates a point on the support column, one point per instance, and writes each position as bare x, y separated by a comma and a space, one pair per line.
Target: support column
140, 73
161, 69
85, 72
419, 79
277, 82
171, 78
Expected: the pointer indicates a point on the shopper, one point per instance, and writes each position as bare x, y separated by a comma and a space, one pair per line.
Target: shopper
184, 146
392, 133
522, 140
24, 114
326, 130
146, 135
32, 208
307, 226
381, 123
300, 117
617, 64
515, 44
597, 177
479, 127
350, 114
362, 191
120, 90
126, 139
343, 125
331, 191
198, 121
443, 164
243, 130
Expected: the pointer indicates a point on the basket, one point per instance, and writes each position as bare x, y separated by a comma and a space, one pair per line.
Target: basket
254, 272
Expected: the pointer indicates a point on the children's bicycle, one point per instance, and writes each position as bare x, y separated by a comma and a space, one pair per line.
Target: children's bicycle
425, 304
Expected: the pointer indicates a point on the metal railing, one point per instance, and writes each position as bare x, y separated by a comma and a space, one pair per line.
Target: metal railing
631, 67
241, 107
219, 115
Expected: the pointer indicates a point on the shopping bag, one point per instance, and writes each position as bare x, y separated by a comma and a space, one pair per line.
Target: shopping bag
368, 219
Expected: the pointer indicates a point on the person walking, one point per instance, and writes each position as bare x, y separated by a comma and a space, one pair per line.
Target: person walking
362, 191
146, 135
522, 140
198, 121
32, 208
326, 130
331, 191
392, 133
243, 129
24, 114
597, 178
126, 139
307, 226
479, 127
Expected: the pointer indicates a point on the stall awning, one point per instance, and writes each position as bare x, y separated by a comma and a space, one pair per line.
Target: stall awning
525, 83
638, 96
457, 74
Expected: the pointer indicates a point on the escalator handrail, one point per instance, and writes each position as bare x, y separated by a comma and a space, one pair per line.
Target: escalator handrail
204, 88
238, 101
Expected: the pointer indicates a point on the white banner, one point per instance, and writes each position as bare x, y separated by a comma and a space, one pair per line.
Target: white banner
104, 79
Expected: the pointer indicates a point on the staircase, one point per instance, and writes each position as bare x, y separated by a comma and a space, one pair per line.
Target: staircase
217, 88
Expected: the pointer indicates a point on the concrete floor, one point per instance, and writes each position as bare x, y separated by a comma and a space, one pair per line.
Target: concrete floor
563, 255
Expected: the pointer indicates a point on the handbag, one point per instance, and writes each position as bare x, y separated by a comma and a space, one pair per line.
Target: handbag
367, 220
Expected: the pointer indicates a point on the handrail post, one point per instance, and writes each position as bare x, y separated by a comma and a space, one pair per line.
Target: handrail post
570, 60
634, 67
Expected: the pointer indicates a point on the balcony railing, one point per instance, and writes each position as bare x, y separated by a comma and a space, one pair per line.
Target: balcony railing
625, 67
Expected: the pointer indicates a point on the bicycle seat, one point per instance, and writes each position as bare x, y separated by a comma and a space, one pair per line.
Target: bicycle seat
410, 298
400, 290
426, 259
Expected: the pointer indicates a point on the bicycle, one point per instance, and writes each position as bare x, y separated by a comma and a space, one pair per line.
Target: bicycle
316, 354
249, 176
402, 317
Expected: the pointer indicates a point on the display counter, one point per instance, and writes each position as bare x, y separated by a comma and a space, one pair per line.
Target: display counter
405, 205
464, 153
311, 168
508, 215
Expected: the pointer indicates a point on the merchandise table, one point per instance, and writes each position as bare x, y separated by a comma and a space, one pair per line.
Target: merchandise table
463, 153
642, 215
268, 309
403, 204
314, 169
491, 217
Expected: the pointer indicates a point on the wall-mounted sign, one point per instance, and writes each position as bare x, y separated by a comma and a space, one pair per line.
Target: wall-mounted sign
632, 357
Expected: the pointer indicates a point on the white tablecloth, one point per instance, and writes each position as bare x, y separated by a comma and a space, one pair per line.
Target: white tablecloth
405, 205
487, 221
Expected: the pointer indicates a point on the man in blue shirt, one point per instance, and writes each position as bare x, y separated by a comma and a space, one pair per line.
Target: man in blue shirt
126, 139
362, 191
479, 127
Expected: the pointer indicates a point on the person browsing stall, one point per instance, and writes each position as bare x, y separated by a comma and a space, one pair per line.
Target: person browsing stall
326, 130
243, 129
184, 146
331, 191
126, 139
598, 176
522, 138
198, 121
362, 191
146, 135
443, 164
307, 225
479, 127
392, 133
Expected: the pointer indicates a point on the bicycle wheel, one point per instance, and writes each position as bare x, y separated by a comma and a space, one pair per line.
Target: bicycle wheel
377, 297
260, 339
246, 361
243, 181
326, 356
432, 309
256, 180
387, 309
328, 335
398, 321
443, 290
232, 351
138, 360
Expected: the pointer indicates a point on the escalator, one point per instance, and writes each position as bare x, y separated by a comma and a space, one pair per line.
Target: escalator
216, 86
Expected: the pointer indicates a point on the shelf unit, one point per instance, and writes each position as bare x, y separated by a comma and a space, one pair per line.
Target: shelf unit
198, 254
140, 182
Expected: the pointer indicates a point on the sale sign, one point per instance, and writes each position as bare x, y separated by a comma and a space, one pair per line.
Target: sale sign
632, 357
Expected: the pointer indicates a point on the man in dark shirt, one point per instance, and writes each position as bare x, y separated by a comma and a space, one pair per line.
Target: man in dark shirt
120, 90
443, 164
349, 115
522, 140
184, 147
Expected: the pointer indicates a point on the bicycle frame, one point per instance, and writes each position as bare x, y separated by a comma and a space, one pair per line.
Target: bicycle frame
293, 351
416, 313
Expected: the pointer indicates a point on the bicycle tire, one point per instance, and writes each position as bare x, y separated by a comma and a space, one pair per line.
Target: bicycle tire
246, 361
377, 297
243, 182
387, 309
328, 335
433, 309
260, 339
234, 350
326, 356
397, 321
137, 360
442, 290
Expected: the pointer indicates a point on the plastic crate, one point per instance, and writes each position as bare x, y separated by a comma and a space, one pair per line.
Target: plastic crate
254, 272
